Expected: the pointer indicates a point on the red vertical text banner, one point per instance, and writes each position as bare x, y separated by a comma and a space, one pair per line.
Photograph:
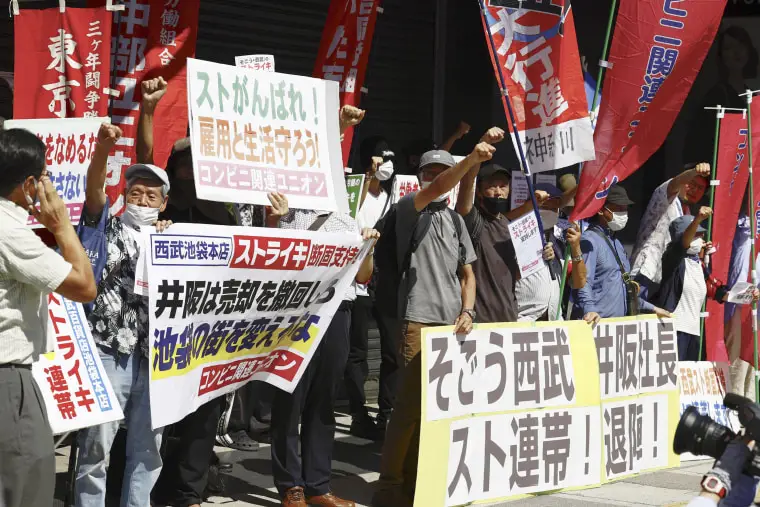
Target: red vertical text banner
537, 54
152, 38
656, 53
732, 173
747, 334
62, 63
344, 51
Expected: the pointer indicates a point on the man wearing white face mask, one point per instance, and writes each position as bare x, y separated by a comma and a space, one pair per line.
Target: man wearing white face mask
609, 291
686, 281
119, 324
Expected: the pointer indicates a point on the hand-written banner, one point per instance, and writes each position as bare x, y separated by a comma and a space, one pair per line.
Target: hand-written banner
354, 186
527, 241
539, 419
76, 390
69, 144
233, 304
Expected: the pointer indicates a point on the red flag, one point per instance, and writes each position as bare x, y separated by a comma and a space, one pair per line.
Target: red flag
153, 38
535, 50
657, 51
344, 51
733, 173
63, 63
748, 337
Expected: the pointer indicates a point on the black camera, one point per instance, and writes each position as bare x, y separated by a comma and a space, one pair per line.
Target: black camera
701, 436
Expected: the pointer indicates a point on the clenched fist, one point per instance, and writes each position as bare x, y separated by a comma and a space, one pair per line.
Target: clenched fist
483, 152
152, 91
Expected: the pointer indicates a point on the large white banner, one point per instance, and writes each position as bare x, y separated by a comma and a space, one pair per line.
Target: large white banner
69, 144
234, 304
75, 389
259, 132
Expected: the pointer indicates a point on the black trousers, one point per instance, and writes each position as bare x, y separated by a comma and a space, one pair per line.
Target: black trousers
185, 472
357, 368
252, 400
312, 402
27, 457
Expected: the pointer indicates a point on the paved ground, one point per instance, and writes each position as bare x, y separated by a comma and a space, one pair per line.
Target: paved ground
355, 469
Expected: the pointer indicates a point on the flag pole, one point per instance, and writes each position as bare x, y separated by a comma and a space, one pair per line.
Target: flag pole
511, 117
603, 63
753, 224
719, 114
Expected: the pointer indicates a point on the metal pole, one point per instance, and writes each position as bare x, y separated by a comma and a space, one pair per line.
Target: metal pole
718, 116
753, 222
513, 123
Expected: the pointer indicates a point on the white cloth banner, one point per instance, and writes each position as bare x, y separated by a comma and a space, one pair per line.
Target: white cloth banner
259, 132
234, 304
75, 389
527, 242
69, 143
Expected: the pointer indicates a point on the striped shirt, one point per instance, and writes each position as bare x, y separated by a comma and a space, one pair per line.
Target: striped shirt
536, 295
29, 271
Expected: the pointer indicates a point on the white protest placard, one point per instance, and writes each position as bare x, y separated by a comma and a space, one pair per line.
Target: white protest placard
263, 63
75, 389
404, 184
69, 144
546, 179
741, 293
527, 242
233, 304
259, 132
518, 190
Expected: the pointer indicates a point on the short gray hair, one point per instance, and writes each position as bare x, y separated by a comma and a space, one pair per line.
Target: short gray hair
147, 176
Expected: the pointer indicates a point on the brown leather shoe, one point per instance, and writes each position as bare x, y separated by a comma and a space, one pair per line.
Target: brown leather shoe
329, 500
294, 498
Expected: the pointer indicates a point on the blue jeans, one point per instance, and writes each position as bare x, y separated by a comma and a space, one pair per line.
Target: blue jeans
129, 376
742, 493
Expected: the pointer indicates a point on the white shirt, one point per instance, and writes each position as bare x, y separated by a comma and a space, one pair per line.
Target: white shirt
654, 233
29, 271
537, 294
373, 208
689, 307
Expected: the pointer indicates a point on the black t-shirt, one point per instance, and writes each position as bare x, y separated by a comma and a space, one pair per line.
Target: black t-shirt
496, 269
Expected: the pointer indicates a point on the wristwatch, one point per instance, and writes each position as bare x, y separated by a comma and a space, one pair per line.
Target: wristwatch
714, 485
577, 259
471, 313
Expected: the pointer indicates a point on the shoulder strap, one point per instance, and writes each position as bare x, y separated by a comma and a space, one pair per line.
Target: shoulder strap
612, 247
319, 222
457, 224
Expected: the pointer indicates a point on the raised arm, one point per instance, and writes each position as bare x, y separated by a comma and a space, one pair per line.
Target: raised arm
688, 236
95, 193
578, 275
152, 91
527, 206
462, 130
467, 185
350, 116
449, 178
677, 183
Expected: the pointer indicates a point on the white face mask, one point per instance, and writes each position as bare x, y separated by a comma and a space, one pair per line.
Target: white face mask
440, 198
619, 221
138, 216
696, 246
385, 171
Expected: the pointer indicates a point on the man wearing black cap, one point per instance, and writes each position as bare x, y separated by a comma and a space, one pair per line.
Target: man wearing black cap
608, 267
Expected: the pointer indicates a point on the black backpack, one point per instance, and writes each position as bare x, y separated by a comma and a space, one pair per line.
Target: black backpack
388, 274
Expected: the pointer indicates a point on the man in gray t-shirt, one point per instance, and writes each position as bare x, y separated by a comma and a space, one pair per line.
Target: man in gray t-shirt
437, 290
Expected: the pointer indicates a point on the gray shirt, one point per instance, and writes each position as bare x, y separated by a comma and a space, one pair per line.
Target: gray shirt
431, 293
29, 271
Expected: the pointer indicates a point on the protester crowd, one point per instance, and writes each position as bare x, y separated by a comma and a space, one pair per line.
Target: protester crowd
433, 265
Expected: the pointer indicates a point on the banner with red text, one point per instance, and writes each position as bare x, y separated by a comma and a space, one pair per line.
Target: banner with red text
657, 51
152, 38
537, 54
234, 304
732, 173
75, 388
747, 333
344, 51
69, 143
62, 63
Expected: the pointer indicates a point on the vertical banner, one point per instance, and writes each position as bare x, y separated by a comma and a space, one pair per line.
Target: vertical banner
233, 304
69, 144
62, 63
512, 410
354, 187
152, 38
75, 389
747, 333
656, 53
732, 174
344, 51
259, 132
537, 53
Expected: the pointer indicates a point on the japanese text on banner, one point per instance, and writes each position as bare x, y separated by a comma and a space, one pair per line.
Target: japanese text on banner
74, 386
232, 304
69, 144
259, 132
528, 246
536, 52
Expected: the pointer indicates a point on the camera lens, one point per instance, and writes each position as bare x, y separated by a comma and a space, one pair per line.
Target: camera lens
700, 435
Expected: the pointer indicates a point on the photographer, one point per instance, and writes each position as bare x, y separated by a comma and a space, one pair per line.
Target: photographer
726, 484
